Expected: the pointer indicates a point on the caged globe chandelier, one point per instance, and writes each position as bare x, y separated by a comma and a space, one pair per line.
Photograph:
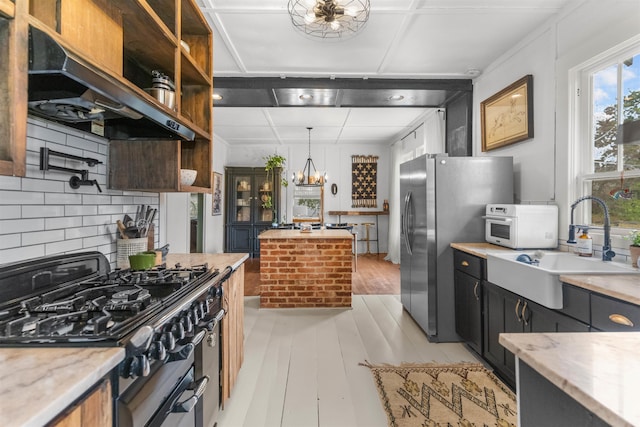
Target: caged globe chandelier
329, 19
306, 177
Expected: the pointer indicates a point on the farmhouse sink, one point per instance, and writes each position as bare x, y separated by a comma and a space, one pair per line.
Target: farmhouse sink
540, 282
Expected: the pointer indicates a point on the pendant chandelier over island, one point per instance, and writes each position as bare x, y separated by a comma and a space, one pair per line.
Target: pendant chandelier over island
308, 177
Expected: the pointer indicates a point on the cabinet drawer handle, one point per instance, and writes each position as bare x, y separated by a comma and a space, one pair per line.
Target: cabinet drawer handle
620, 319
524, 310
464, 264
475, 291
518, 311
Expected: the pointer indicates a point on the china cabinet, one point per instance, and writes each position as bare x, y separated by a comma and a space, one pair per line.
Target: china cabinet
252, 200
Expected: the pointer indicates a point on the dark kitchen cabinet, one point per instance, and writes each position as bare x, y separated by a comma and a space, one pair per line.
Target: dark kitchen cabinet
13, 87
251, 204
468, 277
507, 312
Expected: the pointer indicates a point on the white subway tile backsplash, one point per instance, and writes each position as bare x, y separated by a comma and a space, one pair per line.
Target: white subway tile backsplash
10, 182
94, 199
21, 253
64, 246
20, 198
98, 220
42, 215
10, 241
74, 210
10, 212
45, 134
76, 233
62, 199
96, 241
64, 222
109, 209
83, 144
42, 237
21, 225
30, 184
42, 211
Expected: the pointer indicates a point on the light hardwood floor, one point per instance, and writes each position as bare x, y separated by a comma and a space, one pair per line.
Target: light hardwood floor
301, 365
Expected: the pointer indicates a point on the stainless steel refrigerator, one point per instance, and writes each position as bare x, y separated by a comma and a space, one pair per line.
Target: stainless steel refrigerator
443, 201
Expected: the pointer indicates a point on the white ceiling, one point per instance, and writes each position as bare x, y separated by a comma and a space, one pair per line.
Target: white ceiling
425, 39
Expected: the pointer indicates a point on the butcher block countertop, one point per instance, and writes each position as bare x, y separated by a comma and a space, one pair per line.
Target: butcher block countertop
313, 234
36, 384
621, 286
599, 370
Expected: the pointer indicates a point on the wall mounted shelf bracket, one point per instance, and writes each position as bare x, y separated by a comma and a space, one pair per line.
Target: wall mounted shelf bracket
75, 182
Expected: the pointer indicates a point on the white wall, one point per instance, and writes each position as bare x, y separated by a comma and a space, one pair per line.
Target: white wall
41, 214
336, 161
544, 164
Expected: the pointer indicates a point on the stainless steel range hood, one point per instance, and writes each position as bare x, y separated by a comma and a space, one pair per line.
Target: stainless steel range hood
65, 88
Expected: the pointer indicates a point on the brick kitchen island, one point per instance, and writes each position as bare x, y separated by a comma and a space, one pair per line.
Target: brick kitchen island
311, 269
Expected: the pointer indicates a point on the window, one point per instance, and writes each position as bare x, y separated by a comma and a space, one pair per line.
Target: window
610, 167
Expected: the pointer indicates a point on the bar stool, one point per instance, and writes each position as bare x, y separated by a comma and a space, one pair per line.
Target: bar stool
348, 227
367, 236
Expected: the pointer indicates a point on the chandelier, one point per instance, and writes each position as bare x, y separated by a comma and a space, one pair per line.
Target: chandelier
336, 19
306, 177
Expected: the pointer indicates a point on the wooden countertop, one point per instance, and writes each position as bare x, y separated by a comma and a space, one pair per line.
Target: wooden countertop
600, 370
297, 234
357, 213
36, 384
479, 249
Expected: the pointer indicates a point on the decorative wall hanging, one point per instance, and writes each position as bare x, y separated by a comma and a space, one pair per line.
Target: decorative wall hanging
364, 186
507, 116
217, 194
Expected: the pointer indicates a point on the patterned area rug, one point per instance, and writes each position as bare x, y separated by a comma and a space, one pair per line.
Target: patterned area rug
435, 395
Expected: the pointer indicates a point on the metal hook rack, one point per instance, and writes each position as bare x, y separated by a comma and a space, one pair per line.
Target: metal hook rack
75, 182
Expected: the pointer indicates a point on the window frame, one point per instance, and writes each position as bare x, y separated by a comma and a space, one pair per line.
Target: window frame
581, 116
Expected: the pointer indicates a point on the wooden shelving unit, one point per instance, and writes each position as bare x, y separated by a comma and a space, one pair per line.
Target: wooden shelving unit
127, 39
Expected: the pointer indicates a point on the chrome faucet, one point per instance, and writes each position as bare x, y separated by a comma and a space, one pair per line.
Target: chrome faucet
607, 253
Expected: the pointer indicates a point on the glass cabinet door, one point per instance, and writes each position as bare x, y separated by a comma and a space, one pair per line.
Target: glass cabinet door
242, 186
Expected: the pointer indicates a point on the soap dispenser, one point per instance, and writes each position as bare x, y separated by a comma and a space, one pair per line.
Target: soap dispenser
585, 243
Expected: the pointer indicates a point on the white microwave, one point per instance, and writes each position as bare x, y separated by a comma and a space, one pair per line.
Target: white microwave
522, 226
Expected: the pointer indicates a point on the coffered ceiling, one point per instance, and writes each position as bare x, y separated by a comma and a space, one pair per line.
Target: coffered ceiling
421, 40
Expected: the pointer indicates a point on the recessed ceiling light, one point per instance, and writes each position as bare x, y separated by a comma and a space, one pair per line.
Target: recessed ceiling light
473, 72
395, 98
306, 96
217, 97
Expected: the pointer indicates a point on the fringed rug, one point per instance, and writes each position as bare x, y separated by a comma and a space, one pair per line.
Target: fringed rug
435, 395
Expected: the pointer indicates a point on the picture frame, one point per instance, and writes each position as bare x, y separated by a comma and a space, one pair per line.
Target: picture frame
507, 116
216, 194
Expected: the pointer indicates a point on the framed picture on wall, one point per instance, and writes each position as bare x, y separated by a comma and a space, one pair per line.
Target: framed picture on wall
217, 194
507, 116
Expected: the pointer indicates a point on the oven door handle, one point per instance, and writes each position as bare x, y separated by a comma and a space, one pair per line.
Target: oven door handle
498, 218
211, 323
187, 350
199, 387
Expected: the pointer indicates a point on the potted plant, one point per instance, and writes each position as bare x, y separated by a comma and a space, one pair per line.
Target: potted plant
272, 162
634, 247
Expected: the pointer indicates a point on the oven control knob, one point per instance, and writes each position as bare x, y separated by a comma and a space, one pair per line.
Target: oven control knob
187, 325
137, 366
205, 306
157, 350
194, 315
168, 340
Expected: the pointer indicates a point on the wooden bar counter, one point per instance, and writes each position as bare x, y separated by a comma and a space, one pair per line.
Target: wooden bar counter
305, 269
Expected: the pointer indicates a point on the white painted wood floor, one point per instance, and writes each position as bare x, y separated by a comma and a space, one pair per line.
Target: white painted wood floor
301, 365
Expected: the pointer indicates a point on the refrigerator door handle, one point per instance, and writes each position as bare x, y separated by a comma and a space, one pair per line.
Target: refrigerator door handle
405, 223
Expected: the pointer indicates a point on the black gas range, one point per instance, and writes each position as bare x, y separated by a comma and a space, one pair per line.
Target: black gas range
166, 318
